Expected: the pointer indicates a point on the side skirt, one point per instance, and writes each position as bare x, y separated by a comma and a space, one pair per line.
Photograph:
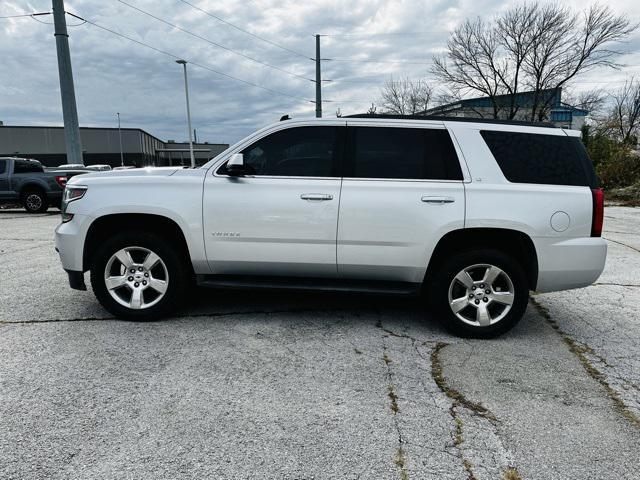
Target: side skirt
307, 284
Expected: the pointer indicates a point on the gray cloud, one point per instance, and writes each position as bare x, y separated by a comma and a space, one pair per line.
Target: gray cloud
114, 74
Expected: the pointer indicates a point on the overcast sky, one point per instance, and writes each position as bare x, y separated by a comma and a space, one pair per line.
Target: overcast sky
113, 74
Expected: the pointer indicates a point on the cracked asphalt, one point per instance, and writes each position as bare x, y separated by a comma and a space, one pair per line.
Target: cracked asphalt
314, 386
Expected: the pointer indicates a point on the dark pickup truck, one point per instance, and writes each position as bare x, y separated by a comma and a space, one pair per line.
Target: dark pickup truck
25, 181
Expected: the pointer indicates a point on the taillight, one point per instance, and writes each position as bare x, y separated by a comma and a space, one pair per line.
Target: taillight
61, 180
598, 212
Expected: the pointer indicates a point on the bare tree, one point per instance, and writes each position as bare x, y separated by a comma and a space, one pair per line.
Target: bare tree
591, 100
625, 115
568, 44
471, 61
406, 97
540, 47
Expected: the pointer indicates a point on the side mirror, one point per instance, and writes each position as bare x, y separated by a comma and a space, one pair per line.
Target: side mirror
235, 165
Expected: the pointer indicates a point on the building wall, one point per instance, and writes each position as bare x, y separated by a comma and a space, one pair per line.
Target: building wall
99, 145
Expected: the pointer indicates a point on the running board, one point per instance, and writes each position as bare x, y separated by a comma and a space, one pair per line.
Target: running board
307, 284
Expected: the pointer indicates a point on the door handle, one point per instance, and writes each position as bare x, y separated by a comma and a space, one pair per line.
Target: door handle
316, 196
437, 200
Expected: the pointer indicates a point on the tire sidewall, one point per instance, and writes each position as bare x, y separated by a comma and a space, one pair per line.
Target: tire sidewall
439, 289
173, 262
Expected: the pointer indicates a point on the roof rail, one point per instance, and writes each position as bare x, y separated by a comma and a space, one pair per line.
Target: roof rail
442, 118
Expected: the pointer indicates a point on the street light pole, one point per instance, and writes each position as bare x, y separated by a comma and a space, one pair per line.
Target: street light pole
186, 92
120, 136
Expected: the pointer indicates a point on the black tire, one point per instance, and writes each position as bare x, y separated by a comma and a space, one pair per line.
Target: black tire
176, 267
439, 286
34, 200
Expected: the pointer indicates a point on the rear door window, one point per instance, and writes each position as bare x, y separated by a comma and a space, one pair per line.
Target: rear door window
402, 153
3, 166
542, 159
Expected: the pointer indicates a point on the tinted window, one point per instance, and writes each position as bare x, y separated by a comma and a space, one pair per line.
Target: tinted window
295, 152
3, 166
545, 159
406, 153
27, 167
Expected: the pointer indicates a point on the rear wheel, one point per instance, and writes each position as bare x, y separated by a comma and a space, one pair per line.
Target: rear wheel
138, 276
34, 201
480, 293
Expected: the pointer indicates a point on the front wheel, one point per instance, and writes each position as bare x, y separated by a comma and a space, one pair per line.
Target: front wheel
138, 276
480, 293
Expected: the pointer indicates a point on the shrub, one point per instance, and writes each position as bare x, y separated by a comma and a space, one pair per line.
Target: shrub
616, 164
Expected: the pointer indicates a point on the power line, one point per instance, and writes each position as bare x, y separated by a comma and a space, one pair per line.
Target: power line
362, 34
177, 57
395, 62
226, 22
26, 15
195, 35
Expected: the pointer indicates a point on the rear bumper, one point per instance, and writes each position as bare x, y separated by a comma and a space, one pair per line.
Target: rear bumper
567, 264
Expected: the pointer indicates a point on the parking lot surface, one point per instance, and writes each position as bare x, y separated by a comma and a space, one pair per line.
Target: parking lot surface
310, 386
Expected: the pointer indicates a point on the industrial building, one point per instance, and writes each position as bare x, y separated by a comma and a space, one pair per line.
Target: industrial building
560, 114
102, 146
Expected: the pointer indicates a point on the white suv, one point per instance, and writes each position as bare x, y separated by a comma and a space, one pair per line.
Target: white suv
472, 214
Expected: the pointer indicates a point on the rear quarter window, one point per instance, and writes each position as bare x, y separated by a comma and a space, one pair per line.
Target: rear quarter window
27, 167
542, 159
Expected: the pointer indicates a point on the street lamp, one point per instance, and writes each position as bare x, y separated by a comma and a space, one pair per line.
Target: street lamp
120, 136
186, 92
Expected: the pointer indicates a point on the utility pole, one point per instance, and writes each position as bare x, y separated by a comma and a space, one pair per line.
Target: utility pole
69, 111
318, 80
186, 92
120, 136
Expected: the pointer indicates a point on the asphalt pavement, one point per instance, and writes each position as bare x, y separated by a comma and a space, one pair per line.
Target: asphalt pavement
312, 386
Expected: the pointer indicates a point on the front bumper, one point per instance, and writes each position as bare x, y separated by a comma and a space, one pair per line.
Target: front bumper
567, 264
69, 241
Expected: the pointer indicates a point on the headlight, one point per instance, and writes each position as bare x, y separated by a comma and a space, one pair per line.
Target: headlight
71, 193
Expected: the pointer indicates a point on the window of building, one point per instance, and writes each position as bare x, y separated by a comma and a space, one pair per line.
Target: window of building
294, 152
27, 167
543, 159
402, 153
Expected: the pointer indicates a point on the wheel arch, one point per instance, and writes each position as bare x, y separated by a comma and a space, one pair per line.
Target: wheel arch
514, 242
106, 225
33, 186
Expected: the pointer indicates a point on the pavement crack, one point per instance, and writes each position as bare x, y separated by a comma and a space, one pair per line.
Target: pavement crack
400, 459
179, 316
457, 397
462, 407
581, 351
618, 284
623, 244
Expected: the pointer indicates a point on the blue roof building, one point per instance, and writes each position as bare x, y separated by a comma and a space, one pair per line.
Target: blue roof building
557, 112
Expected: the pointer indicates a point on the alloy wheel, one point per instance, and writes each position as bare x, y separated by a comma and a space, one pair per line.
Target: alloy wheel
136, 277
481, 295
34, 202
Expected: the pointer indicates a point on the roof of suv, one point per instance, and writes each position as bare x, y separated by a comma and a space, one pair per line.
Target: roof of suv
441, 118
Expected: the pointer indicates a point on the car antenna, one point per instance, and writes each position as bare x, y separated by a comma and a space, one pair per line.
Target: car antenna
285, 117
